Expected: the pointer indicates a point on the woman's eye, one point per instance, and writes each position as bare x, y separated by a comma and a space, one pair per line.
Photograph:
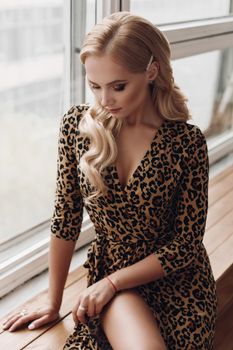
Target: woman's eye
119, 87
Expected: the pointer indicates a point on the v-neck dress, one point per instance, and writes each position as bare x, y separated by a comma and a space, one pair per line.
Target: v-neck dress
162, 210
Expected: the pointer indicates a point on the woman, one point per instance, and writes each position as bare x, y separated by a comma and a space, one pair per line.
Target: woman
142, 173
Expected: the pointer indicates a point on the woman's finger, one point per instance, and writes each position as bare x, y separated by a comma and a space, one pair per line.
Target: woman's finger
13, 318
74, 314
17, 315
10, 318
81, 312
42, 321
21, 321
8, 323
99, 306
91, 312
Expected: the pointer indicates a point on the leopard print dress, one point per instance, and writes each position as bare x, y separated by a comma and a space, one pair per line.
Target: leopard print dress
162, 210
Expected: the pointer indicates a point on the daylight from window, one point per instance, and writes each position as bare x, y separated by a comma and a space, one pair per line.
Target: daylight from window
31, 71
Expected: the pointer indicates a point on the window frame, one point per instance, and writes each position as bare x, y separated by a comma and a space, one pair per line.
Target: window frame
186, 39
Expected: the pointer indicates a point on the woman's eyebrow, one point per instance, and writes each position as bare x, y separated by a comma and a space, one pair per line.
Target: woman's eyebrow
111, 83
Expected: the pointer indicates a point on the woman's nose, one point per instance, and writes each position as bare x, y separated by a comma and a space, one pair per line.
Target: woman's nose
106, 99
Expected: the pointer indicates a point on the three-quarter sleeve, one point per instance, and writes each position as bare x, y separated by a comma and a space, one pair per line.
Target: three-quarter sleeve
190, 208
68, 210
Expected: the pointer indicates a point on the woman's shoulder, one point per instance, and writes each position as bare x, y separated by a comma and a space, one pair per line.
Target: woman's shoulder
75, 113
69, 125
70, 120
187, 140
185, 131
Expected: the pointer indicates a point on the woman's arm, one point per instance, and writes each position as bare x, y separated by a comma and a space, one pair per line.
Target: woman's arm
142, 272
60, 254
59, 261
65, 226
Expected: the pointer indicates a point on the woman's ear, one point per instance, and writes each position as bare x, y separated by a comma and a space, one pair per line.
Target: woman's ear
153, 70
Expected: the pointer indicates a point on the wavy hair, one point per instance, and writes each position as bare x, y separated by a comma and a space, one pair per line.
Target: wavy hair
132, 41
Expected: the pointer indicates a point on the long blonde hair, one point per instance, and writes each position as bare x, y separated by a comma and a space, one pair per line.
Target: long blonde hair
132, 41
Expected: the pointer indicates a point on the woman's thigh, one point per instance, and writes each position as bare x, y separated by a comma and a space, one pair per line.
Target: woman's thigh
129, 323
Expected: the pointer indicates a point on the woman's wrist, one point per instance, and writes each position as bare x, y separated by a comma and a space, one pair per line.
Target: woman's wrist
144, 271
112, 284
114, 280
54, 304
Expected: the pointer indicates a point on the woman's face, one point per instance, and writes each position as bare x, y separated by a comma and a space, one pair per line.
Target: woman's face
122, 93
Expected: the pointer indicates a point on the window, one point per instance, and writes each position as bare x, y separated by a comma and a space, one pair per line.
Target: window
41, 77
206, 80
171, 11
31, 69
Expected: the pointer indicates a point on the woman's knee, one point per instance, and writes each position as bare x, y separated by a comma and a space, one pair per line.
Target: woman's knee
129, 323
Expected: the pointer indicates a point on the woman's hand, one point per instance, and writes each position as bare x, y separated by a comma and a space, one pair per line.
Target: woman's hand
35, 319
92, 300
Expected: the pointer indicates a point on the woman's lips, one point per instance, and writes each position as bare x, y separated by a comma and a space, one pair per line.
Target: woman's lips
114, 110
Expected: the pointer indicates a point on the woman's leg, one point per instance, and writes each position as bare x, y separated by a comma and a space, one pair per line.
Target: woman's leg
129, 324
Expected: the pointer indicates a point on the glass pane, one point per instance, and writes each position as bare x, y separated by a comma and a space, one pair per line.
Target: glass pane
206, 80
31, 70
167, 11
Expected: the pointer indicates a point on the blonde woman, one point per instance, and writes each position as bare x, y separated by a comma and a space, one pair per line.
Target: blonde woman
141, 171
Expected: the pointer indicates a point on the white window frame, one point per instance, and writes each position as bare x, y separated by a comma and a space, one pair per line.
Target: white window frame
186, 39
199, 36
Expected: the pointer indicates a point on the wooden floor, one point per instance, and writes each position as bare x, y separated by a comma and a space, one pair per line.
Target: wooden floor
219, 243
